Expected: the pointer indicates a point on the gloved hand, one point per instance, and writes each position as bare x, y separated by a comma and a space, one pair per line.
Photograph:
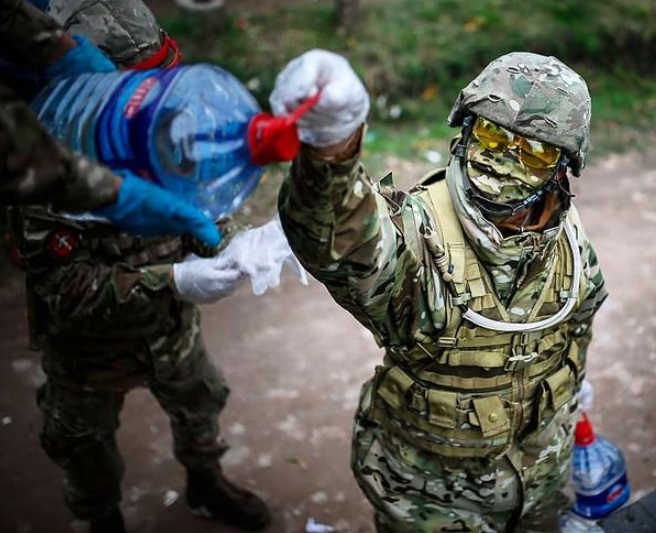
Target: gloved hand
342, 107
258, 253
83, 59
203, 281
148, 210
261, 253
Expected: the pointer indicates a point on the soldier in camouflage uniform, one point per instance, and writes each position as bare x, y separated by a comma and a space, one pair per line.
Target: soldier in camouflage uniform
110, 312
480, 283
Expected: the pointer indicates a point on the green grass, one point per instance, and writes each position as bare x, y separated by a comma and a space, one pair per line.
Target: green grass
415, 55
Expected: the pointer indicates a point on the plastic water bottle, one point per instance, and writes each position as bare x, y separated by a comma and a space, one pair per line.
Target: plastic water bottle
195, 130
599, 473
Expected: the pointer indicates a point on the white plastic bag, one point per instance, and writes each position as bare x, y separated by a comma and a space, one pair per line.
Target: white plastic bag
261, 253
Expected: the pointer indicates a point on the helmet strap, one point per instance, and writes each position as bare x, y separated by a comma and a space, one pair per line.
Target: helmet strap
459, 148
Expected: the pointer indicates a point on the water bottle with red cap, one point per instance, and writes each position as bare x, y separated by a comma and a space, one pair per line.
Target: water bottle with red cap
599, 473
195, 130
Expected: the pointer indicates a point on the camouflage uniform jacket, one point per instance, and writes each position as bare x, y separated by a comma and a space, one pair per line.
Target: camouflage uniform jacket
92, 289
34, 167
365, 242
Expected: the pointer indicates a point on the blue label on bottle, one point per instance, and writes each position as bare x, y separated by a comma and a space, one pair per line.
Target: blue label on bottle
605, 502
124, 124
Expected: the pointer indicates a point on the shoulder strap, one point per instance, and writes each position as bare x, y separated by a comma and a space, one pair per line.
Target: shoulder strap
433, 176
446, 224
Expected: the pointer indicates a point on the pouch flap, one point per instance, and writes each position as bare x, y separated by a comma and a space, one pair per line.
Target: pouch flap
491, 415
561, 386
393, 386
442, 408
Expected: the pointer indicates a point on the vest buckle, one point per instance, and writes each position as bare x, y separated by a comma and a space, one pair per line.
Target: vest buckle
519, 361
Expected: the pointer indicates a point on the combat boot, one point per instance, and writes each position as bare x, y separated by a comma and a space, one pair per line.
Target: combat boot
211, 495
112, 523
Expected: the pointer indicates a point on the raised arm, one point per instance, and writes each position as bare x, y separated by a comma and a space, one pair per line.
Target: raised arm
360, 242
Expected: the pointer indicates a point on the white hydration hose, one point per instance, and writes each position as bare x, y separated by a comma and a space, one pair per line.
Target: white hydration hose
487, 323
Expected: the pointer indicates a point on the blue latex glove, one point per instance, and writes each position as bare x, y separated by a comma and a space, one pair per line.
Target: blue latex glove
85, 58
148, 210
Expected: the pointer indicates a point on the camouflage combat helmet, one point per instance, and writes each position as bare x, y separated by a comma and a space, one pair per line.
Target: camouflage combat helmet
535, 96
126, 31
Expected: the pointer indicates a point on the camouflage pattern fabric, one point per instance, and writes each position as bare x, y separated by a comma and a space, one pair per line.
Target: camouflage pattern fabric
81, 409
106, 318
28, 37
364, 242
500, 176
413, 491
102, 308
535, 96
35, 168
125, 31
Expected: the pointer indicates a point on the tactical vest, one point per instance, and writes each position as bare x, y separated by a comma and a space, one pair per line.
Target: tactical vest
46, 241
474, 392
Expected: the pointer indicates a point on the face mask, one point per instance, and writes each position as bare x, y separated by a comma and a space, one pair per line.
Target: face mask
505, 167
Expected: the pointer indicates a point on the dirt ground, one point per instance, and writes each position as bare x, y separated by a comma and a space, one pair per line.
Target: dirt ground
295, 361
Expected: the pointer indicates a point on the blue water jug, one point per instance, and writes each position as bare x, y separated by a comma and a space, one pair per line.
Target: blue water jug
195, 130
599, 473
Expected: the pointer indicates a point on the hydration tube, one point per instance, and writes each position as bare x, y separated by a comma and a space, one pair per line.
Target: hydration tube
497, 325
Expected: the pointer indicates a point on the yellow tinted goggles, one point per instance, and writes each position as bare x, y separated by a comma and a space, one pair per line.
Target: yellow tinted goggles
533, 154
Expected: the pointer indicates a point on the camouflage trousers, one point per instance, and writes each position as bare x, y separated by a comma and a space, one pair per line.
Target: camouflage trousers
80, 420
413, 491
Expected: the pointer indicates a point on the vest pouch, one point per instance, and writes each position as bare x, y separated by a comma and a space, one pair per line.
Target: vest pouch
392, 387
554, 392
474, 428
442, 408
560, 386
492, 417
446, 425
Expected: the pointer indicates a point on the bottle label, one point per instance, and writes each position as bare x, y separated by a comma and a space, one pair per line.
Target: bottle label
605, 502
141, 96
128, 115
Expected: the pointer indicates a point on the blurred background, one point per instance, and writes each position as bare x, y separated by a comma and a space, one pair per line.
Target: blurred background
416, 55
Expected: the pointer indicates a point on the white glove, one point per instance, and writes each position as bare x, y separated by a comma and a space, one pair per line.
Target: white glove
342, 107
261, 253
202, 281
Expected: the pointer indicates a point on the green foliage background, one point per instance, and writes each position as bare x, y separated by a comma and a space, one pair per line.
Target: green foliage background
415, 55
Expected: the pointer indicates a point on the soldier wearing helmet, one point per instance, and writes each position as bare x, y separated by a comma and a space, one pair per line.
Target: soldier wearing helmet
525, 119
480, 284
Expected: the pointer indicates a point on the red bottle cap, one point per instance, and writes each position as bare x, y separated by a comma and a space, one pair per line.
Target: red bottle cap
584, 434
274, 139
